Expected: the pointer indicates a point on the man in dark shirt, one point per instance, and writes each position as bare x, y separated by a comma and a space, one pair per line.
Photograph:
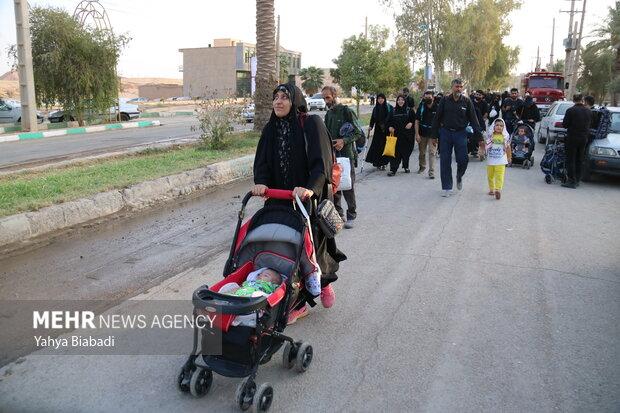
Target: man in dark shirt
409, 100
577, 121
454, 114
482, 113
510, 106
423, 133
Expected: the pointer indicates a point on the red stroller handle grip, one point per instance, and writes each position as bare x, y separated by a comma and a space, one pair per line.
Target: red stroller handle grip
279, 194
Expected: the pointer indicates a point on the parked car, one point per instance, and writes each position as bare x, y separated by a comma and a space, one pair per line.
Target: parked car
551, 124
11, 112
316, 102
248, 113
137, 100
603, 154
127, 110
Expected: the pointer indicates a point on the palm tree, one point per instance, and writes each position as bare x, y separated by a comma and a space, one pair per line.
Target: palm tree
266, 61
312, 79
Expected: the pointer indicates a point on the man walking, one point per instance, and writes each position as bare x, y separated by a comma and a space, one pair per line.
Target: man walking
510, 106
409, 100
336, 116
577, 121
454, 114
424, 133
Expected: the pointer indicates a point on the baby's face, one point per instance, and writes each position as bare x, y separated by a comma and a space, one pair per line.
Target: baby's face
521, 132
271, 276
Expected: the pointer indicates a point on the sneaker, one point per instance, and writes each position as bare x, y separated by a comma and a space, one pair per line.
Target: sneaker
445, 193
349, 224
431, 176
328, 296
459, 183
421, 169
491, 192
391, 173
407, 170
498, 195
301, 313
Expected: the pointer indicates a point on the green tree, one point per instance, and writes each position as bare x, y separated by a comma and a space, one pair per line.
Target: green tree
73, 66
498, 75
312, 79
357, 66
558, 66
393, 72
285, 64
596, 70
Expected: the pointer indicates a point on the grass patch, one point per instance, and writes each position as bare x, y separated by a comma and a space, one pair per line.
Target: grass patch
31, 191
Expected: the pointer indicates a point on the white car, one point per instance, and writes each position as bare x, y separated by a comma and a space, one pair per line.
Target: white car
248, 113
127, 112
551, 124
11, 112
316, 102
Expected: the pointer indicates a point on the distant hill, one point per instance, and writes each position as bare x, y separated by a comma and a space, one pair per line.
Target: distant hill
9, 86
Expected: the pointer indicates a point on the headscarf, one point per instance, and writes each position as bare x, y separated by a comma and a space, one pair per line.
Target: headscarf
491, 131
403, 108
286, 127
381, 110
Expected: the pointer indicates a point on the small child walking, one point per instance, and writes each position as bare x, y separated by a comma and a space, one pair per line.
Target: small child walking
497, 145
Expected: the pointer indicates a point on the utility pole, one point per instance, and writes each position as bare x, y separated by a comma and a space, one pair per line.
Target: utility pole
573, 84
24, 66
569, 44
366, 28
278, 51
552, 46
427, 68
537, 66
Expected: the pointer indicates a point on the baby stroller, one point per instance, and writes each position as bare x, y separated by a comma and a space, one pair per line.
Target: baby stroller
522, 147
277, 237
552, 163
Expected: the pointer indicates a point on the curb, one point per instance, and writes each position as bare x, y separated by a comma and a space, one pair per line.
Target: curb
166, 114
78, 131
19, 228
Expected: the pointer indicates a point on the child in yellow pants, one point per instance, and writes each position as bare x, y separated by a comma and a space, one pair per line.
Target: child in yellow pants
497, 144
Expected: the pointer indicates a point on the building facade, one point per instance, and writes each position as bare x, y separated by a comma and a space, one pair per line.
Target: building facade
223, 69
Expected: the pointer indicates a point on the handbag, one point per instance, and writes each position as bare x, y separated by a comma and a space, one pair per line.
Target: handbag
329, 219
390, 146
345, 178
493, 113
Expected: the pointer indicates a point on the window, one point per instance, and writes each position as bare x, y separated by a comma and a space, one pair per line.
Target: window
563, 108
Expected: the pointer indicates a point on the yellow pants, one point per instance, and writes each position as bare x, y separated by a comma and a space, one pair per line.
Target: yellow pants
495, 173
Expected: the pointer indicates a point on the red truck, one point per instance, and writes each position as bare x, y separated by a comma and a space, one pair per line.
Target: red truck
544, 87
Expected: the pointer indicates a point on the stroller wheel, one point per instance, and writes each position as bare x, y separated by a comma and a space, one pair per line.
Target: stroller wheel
262, 398
245, 393
304, 357
548, 179
201, 381
183, 380
289, 355
526, 165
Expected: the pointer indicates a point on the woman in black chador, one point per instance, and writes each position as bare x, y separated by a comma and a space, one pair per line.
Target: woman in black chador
378, 122
294, 153
401, 124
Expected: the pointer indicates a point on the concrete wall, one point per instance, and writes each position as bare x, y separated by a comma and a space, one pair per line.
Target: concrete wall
209, 71
160, 91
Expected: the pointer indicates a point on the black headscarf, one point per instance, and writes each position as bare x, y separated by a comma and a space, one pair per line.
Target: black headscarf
400, 109
380, 111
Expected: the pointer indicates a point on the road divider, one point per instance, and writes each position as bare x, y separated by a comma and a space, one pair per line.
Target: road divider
18, 229
78, 131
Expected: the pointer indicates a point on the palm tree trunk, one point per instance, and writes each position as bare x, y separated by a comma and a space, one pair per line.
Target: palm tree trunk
266, 62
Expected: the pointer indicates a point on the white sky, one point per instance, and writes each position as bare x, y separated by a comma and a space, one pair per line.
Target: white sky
316, 28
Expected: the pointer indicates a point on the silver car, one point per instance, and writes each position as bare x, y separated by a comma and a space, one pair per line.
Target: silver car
603, 155
551, 124
11, 112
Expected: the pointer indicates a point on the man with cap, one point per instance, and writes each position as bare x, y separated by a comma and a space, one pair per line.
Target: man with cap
454, 113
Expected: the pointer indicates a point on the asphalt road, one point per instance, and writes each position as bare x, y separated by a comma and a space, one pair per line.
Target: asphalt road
461, 304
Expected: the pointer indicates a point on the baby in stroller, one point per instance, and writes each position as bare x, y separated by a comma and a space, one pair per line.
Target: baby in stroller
522, 146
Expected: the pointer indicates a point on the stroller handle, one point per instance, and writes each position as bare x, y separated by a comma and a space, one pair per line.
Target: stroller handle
279, 194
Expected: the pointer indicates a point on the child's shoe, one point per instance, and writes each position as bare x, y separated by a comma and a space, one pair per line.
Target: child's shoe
498, 195
295, 314
328, 296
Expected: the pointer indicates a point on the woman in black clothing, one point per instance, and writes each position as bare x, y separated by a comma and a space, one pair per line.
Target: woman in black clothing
401, 124
294, 153
378, 122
